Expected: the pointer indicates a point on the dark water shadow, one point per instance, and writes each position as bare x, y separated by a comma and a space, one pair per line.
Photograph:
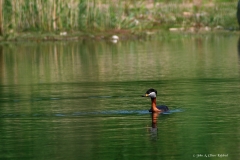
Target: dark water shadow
238, 49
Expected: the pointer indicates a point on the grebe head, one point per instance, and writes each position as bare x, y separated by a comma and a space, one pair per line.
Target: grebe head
152, 93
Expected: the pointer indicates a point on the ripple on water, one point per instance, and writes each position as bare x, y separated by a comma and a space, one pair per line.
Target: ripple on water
75, 114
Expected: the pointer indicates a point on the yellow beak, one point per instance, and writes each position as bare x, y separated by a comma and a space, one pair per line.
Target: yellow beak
146, 95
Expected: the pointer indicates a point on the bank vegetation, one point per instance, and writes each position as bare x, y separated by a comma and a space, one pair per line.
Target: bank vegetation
83, 17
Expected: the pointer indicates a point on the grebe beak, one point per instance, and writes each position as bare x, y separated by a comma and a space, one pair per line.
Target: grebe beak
145, 95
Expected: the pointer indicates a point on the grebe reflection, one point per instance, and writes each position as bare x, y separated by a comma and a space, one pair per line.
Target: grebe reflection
153, 129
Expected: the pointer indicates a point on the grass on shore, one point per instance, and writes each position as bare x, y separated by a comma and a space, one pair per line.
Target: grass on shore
131, 16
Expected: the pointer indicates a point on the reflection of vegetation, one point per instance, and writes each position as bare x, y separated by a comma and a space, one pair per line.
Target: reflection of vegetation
90, 60
100, 15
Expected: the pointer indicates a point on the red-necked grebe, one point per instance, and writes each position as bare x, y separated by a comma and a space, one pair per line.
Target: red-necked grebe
152, 93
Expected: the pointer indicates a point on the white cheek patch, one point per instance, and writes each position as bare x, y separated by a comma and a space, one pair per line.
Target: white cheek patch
152, 95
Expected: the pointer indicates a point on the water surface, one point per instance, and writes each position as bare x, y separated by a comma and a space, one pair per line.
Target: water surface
82, 100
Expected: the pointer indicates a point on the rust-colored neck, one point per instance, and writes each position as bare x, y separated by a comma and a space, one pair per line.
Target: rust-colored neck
154, 105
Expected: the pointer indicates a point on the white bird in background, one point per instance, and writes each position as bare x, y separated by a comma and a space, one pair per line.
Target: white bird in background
114, 38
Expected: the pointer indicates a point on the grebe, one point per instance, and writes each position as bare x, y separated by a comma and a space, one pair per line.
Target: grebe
152, 93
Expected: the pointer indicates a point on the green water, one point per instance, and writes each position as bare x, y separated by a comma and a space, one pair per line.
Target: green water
82, 100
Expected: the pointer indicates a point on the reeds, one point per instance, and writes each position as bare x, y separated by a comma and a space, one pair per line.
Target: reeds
100, 15
52, 15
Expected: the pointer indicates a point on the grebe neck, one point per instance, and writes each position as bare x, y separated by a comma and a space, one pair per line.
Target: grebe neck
154, 105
